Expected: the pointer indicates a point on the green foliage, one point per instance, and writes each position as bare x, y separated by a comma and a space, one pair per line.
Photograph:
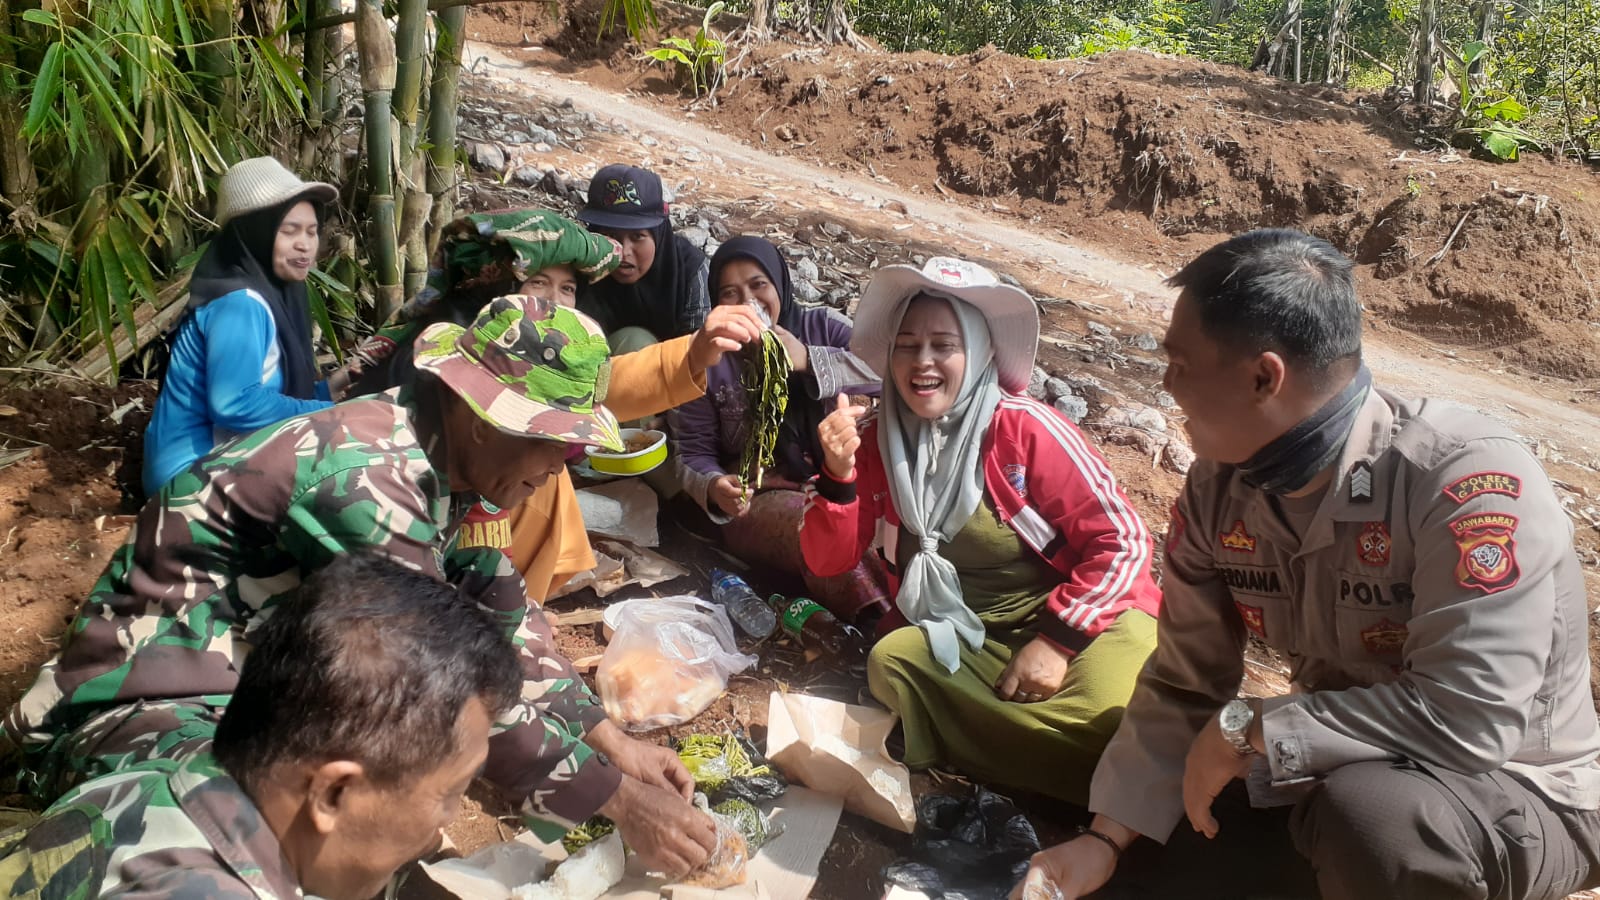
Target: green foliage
637, 15
125, 133
698, 60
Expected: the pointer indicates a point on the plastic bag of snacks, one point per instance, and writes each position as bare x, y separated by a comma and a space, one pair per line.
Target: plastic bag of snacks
667, 661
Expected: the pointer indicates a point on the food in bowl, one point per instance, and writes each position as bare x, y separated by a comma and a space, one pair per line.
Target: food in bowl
642, 450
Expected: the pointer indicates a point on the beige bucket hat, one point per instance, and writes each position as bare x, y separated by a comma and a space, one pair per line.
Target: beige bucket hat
1013, 319
262, 183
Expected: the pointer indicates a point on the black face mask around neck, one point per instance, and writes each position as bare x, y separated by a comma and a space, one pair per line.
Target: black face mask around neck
1289, 462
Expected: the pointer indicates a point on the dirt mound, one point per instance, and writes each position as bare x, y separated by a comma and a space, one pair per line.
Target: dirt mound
1160, 156
61, 509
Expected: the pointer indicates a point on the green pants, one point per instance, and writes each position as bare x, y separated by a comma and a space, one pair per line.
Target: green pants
121, 737
1049, 747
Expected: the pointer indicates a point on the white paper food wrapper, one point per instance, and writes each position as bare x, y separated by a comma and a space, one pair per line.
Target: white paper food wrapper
625, 510
512, 870
837, 749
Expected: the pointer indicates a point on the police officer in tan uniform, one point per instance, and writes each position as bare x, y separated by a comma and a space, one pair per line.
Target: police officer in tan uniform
1411, 562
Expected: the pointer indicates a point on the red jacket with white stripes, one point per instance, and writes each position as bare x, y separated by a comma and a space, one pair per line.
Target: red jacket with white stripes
1047, 483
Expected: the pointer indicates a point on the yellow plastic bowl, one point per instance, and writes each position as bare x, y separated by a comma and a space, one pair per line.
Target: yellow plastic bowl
635, 463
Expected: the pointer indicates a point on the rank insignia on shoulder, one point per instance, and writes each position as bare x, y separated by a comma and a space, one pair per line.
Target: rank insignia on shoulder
1361, 482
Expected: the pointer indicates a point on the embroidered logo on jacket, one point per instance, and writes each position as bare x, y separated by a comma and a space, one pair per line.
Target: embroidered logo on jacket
1372, 544
1253, 619
1238, 540
1385, 638
1480, 483
1488, 551
1017, 477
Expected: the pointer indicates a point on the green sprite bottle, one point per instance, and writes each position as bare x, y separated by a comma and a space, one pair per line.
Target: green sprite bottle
817, 629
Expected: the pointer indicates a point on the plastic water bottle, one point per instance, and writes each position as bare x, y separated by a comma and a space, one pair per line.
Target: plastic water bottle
743, 604
818, 630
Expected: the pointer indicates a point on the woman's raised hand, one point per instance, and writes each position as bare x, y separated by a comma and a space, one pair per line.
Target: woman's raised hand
840, 438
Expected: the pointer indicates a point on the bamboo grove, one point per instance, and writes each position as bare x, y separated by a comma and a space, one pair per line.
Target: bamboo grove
118, 116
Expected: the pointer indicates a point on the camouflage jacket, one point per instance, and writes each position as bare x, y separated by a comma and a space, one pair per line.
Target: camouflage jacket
165, 828
213, 554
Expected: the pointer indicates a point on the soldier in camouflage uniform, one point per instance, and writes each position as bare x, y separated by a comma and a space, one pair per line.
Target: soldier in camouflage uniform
285, 801
210, 559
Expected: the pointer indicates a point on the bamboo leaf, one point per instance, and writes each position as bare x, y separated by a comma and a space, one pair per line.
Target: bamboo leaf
112, 113
112, 269
73, 126
39, 17
46, 85
135, 213
180, 18
286, 73
319, 313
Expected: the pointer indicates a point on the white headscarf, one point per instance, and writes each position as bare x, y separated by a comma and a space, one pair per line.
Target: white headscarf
935, 473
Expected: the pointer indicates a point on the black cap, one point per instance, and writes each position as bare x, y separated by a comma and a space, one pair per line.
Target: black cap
624, 197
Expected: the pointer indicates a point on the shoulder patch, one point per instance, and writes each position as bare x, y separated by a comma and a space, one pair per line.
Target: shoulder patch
1175, 525
1238, 539
1479, 483
1488, 551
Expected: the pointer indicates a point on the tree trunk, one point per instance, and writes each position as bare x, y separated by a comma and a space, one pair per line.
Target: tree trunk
836, 27
761, 19
218, 58
1221, 10
1272, 54
1338, 33
450, 27
375, 46
1427, 23
19, 183
1484, 12
412, 66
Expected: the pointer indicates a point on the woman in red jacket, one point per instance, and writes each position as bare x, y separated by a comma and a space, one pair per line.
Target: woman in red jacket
1021, 565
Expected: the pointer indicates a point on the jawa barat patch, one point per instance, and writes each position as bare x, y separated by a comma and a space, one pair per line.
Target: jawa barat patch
1488, 551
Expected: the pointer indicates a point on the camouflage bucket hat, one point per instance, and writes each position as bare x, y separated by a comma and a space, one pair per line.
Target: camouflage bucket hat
528, 367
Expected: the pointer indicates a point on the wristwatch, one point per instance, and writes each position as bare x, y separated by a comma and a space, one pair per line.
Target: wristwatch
1235, 720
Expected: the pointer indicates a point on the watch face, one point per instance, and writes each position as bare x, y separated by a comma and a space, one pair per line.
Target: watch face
1235, 717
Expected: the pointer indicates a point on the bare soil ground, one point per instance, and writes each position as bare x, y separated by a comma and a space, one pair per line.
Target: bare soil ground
1088, 181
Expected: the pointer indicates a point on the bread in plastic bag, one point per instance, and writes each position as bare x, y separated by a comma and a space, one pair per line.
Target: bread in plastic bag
667, 661
727, 864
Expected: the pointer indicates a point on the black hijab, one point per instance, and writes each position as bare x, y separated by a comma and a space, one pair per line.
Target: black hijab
799, 450
652, 302
240, 257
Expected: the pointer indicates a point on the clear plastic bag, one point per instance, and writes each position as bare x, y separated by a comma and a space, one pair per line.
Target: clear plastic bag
726, 866
667, 661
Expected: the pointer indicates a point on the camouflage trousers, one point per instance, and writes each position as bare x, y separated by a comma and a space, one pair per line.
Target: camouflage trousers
120, 737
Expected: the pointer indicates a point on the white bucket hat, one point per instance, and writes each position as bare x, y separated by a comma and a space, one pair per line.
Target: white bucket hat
262, 183
1012, 317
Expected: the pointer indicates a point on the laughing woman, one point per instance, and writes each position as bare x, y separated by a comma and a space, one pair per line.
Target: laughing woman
709, 434
1024, 583
241, 356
